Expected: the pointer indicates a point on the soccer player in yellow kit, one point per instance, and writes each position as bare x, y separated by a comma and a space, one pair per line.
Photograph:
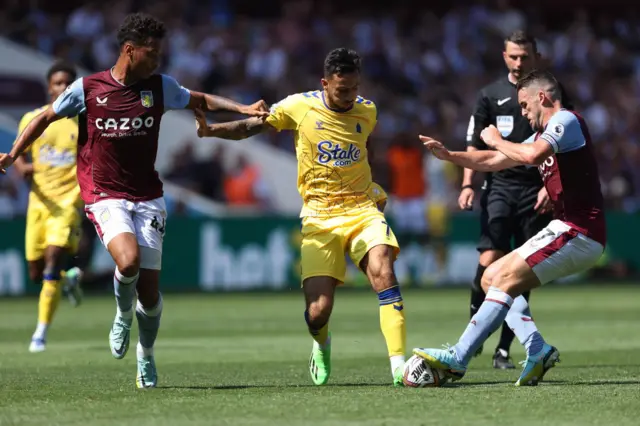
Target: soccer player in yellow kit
341, 213
53, 217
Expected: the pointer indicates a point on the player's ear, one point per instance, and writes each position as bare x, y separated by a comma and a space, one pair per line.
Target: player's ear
127, 48
325, 83
541, 96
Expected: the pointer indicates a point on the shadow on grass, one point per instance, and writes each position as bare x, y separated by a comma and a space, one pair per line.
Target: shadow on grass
550, 383
236, 387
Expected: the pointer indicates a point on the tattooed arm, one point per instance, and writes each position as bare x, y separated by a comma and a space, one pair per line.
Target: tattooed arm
234, 130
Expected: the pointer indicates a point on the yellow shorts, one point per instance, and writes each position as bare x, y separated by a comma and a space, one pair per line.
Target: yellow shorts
46, 228
326, 242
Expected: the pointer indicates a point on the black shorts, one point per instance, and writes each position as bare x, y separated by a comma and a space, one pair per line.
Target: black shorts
508, 216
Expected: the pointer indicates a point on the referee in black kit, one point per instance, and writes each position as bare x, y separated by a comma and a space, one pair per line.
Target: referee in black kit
515, 205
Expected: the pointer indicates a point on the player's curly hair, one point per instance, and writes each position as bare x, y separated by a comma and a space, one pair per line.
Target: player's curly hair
341, 61
545, 79
62, 66
138, 28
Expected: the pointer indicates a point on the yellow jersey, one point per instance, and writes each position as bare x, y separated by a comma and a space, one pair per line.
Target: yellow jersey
334, 176
54, 163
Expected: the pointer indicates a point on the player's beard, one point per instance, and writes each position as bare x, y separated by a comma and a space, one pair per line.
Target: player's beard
536, 124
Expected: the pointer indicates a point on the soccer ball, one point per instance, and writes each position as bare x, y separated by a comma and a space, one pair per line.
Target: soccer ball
419, 374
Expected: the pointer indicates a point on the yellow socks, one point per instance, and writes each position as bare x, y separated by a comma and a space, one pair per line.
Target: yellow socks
49, 298
392, 324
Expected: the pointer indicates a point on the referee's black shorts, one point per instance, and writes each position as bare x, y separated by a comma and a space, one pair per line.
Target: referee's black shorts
507, 216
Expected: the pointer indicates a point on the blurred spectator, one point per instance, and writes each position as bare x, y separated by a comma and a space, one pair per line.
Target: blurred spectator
244, 187
408, 186
204, 176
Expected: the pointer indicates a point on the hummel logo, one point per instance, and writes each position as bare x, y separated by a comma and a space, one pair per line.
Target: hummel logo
101, 101
503, 101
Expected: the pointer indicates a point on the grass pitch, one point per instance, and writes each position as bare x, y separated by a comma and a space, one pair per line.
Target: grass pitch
242, 360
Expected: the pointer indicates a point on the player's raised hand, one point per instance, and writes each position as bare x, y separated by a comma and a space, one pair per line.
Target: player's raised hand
258, 109
5, 161
436, 147
201, 122
490, 134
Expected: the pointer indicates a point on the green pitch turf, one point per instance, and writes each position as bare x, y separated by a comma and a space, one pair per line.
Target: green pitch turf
242, 360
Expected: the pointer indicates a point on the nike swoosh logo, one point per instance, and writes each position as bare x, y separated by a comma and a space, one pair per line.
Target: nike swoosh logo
398, 307
101, 101
503, 101
120, 350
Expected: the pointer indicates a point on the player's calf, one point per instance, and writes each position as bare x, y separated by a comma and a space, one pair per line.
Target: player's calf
319, 293
378, 265
49, 296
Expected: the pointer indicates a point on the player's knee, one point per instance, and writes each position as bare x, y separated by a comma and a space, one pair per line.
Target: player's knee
489, 276
35, 273
383, 278
487, 257
319, 311
505, 280
128, 263
149, 299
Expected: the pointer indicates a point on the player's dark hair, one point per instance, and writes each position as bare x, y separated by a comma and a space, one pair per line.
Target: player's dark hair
62, 66
522, 38
543, 78
138, 28
341, 61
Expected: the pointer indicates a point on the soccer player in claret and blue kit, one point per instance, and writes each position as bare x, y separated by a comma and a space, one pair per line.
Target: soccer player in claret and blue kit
574, 240
342, 206
119, 112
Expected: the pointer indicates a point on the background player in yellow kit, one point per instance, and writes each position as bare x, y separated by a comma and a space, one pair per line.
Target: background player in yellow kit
340, 213
53, 217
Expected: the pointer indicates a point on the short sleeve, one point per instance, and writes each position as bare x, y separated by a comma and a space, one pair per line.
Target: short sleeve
374, 116
284, 115
563, 132
480, 118
71, 102
175, 96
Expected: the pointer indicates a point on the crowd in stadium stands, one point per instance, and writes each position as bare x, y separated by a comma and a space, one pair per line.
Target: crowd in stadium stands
422, 70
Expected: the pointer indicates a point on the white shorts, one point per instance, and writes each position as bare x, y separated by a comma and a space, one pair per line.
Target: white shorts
144, 219
409, 214
559, 251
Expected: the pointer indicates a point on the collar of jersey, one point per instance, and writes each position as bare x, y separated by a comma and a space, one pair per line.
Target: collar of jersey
335, 109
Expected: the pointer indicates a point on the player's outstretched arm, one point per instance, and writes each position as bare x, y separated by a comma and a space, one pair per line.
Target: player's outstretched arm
532, 154
32, 132
207, 102
481, 161
179, 97
234, 130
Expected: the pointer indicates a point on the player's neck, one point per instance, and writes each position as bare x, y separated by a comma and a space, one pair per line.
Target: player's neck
512, 79
122, 73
